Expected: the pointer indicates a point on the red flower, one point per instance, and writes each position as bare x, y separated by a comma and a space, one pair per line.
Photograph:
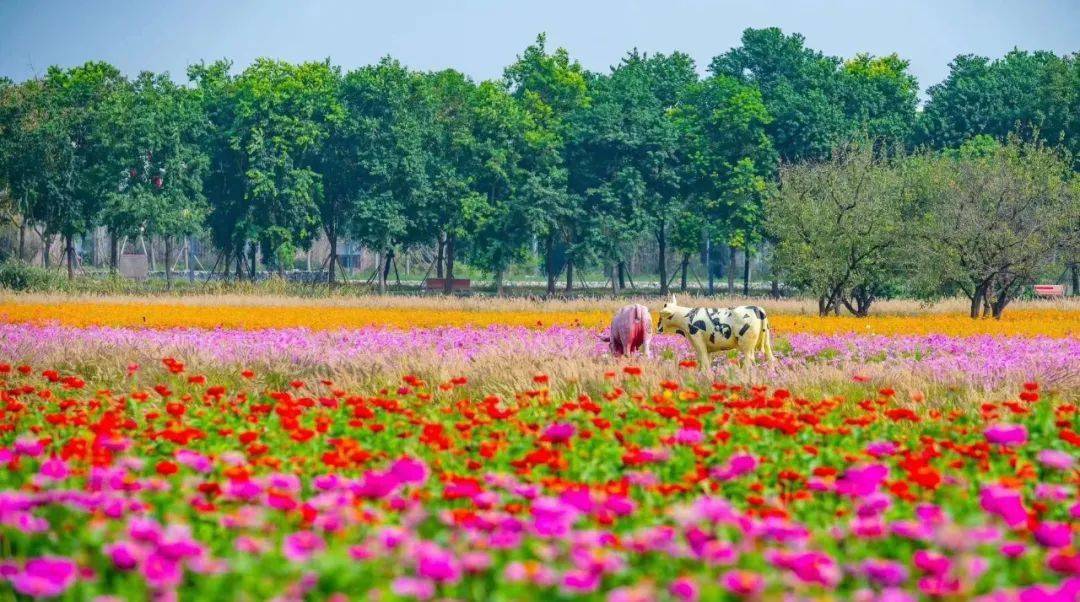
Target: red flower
166, 468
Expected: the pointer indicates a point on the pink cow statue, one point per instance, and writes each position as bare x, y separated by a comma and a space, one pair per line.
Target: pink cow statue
631, 330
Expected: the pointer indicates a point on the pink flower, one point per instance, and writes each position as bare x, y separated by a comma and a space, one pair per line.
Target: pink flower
1053, 458
124, 555
1005, 503
409, 470
45, 577
577, 581
737, 466
54, 469
194, 460
410, 587
1053, 535
862, 481
931, 562
161, 572
689, 436
743, 583
560, 432
887, 573
685, 589
531, 571
28, 446
437, 564
1006, 434
880, 449
302, 545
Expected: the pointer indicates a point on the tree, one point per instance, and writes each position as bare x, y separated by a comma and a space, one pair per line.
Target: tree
549, 87
23, 148
1032, 94
840, 224
497, 216
82, 164
161, 190
723, 127
372, 162
994, 217
632, 139
284, 113
880, 96
225, 183
799, 86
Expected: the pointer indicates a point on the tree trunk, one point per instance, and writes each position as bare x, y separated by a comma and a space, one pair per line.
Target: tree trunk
253, 261
331, 237
614, 271
499, 282
239, 261
549, 263
168, 263
1075, 278
22, 245
746, 271
440, 243
381, 273
569, 275
622, 274
661, 241
685, 266
114, 252
775, 292
709, 267
46, 242
69, 249
731, 271
448, 284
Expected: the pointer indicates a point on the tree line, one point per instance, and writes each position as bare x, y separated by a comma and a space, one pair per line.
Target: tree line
580, 167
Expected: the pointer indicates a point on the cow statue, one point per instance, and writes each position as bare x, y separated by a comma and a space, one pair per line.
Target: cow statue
712, 331
631, 330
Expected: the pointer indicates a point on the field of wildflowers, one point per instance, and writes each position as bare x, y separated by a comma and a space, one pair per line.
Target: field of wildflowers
364, 453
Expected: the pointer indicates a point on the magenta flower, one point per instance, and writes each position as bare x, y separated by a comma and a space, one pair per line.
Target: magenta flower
302, 545
576, 581
45, 576
124, 555
161, 572
54, 469
1005, 503
1006, 434
737, 466
689, 436
560, 432
684, 589
931, 562
743, 583
887, 573
437, 564
409, 471
862, 481
1053, 534
194, 460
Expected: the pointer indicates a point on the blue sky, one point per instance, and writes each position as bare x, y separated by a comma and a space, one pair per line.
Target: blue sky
481, 37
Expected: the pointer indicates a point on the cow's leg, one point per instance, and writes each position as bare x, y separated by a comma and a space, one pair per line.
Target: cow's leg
702, 354
647, 347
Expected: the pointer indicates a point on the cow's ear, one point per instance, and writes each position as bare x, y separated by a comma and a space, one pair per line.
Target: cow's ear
673, 300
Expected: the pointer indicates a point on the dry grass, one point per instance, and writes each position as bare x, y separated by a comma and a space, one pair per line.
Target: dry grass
900, 307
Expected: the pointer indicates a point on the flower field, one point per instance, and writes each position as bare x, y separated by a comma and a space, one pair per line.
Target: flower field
252, 453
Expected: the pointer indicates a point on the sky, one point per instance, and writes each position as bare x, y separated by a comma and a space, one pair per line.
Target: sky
481, 37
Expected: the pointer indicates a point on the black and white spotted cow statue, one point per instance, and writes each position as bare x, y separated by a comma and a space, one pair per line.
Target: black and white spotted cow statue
712, 330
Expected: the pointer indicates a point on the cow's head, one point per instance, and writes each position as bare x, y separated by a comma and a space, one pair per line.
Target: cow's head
667, 313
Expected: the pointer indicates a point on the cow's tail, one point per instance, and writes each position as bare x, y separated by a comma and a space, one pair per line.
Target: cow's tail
639, 316
765, 338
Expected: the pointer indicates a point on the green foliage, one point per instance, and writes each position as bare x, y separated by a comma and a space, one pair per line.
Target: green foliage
18, 276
